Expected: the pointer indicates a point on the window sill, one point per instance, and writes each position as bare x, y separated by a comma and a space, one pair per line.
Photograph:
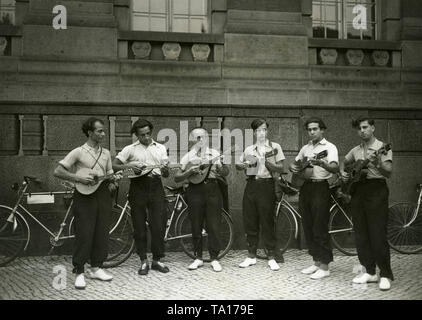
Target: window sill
355, 44
172, 37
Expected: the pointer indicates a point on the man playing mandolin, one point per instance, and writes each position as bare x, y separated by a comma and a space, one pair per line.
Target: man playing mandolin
369, 203
260, 161
92, 212
148, 159
202, 166
314, 196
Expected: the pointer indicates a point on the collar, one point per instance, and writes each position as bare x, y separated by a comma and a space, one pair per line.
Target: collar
266, 144
207, 151
153, 143
89, 148
373, 146
322, 142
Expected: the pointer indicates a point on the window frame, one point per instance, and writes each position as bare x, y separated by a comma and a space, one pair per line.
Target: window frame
342, 23
169, 17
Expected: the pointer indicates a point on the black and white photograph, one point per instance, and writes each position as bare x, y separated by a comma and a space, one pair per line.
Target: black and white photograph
211, 154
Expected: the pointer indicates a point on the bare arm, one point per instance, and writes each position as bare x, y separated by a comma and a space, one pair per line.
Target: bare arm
182, 175
62, 173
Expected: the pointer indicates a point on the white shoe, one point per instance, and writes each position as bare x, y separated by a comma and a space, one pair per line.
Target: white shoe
273, 265
80, 281
100, 274
365, 278
310, 269
196, 264
248, 262
216, 266
384, 284
319, 274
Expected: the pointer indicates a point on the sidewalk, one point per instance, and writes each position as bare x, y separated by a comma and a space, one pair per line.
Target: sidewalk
33, 277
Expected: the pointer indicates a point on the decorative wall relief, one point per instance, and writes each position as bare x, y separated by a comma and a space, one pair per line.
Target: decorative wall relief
3, 45
355, 57
171, 51
141, 49
380, 58
328, 56
200, 52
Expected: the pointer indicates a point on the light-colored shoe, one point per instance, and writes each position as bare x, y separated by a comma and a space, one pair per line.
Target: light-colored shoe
99, 274
319, 274
273, 265
384, 284
310, 270
365, 278
80, 281
248, 262
216, 266
196, 264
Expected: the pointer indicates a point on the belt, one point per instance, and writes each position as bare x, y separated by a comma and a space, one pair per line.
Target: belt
254, 178
316, 180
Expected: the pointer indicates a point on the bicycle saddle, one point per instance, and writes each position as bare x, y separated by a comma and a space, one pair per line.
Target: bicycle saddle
32, 178
174, 189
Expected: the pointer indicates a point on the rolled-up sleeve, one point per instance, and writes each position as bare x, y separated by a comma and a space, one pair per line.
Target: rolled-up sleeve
71, 158
124, 155
332, 154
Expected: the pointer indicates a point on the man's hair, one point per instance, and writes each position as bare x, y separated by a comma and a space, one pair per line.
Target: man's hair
321, 123
140, 123
258, 122
89, 124
356, 122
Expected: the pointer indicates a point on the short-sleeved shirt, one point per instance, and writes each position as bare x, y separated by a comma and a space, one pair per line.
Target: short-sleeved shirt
259, 151
310, 150
194, 156
154, 154
361, 152
85, 157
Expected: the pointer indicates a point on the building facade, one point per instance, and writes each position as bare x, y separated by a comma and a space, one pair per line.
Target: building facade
214, 63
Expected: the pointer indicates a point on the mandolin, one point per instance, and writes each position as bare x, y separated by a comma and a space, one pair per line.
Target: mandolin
252, 161
148, 168
358, 170
87, 189
304, 169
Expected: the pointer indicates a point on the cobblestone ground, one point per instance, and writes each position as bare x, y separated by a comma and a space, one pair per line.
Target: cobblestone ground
32, 278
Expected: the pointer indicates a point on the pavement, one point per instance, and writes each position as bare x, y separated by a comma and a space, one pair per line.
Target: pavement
51, 278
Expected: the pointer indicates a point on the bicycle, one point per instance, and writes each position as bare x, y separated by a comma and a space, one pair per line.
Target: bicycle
178, 227
15, 232
287, 219
405, 225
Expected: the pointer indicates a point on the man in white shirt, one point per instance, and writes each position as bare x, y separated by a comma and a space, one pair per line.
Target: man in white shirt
314, 197
204, 199
146, 193
259, 195
369, 205
92, 213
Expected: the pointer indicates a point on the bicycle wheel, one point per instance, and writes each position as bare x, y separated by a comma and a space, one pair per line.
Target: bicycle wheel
121, 242
285, 228
14, 235
341, 231
184, 230
404, 231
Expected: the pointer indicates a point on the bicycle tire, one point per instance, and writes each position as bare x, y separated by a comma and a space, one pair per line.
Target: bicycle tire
285, 228
183, 227
344, 241
402, 238
14, 237
121, 243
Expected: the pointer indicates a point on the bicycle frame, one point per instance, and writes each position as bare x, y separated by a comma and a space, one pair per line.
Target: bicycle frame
415, 214
295, 214
22, 193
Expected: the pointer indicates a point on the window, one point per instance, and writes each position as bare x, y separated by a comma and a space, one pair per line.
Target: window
170, 15
7, 12
345, 19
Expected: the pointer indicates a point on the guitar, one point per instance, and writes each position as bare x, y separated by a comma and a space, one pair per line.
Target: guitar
147, 169
304, 169
87, 189
358, 170
204, 167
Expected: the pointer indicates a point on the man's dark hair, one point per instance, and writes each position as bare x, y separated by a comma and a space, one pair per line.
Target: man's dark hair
321, 123
89, 124
140, 123
258, 122
356, 122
